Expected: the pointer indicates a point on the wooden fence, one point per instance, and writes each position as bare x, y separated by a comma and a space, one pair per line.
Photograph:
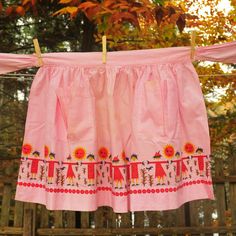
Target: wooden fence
203, 217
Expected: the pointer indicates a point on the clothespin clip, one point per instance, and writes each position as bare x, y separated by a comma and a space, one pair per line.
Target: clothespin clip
193, 44
104, 49
38, 52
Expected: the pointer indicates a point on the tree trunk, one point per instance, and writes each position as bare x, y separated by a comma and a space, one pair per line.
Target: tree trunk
88, 36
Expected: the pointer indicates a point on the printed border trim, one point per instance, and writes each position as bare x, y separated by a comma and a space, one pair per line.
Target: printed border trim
94, 191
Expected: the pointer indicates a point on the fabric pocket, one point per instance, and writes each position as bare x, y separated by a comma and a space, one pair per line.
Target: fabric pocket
78, 108
150, 120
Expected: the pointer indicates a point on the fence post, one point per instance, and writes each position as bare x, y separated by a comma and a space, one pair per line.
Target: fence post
220, 193
44, 217
84, 219
28, 222
58, 219
194, 214
232, 186
187, 214
70, 219
180, 216
18, 214
6, 200
126, 220
29, 219
207, 208
139, 219
99, 218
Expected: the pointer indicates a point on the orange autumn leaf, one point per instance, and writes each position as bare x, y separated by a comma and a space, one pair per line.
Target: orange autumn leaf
33, 2
28, 2
85, 5
92, 12
72, 10
20, 11
175, 17
106, 10
66, 10
65, 1
90, 9
122, 6
108, 3
25, 2
0, 6
9, 10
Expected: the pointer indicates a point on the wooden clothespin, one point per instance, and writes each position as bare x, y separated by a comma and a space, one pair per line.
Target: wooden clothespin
104, 49
38, 52
193, 44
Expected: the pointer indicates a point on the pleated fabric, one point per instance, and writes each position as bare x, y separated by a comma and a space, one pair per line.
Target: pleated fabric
131, 134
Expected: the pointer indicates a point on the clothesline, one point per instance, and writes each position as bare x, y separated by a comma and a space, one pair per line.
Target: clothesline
17, 76
216, 75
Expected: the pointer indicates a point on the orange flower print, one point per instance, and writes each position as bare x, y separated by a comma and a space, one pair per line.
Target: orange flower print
26, 149
46, 151
79, 153
189, 148
169, 151
103, 153
123, 155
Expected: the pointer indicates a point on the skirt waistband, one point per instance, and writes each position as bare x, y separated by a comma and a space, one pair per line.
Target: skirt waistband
116, 58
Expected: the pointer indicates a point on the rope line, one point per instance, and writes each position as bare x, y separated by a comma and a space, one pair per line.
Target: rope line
20, 77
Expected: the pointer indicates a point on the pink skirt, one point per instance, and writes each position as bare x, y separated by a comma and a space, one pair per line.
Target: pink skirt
140, 103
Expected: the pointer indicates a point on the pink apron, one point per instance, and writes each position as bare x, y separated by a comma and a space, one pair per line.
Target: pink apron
140, 102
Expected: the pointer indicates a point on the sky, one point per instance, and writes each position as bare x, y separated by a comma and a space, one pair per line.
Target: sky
223, 5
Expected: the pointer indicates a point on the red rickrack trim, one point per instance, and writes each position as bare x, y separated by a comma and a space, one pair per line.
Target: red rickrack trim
135, 191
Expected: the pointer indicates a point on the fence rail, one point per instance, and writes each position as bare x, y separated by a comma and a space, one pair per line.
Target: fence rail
123, 231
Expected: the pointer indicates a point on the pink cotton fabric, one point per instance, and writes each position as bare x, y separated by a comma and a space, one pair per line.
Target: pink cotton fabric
131, 134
